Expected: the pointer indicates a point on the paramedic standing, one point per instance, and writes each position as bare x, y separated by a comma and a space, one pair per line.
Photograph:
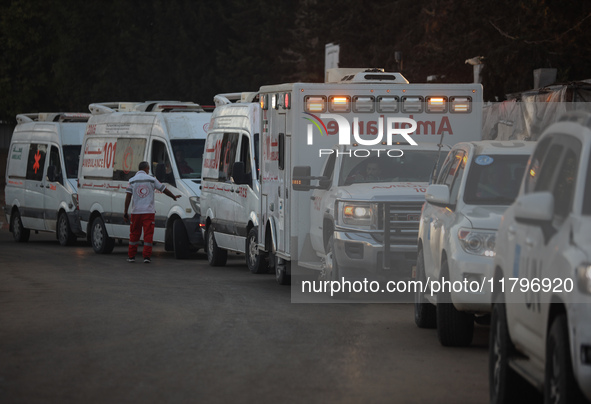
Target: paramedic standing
141, 188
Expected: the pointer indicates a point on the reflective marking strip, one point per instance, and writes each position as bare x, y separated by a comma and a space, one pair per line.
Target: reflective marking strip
148, 244
133, 242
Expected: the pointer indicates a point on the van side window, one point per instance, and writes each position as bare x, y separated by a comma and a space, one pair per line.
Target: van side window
227, 156
36, 161
129, 153
549, 165
256, 139
17, 161
534, 165
564, 189
54, 170
71, 159
161, 166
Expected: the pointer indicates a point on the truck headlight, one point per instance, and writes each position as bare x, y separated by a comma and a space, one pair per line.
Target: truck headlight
584, 278
478, 242
358, 214
195, 204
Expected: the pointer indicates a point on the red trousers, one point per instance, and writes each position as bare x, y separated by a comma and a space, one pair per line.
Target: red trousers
138, 222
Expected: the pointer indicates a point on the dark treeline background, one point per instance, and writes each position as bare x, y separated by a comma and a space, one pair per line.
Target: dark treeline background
61, 55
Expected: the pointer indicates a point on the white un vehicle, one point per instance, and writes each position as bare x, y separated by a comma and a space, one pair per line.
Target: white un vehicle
463, 209
541, 319
170, 136
41, 175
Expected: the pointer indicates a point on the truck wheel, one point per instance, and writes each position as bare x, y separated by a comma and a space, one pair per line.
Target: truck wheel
255, 262
216, 256
64, 233
505, 386
560, 385
100, 240
425, 312
454, 328
19, 233
281, 275
180, 240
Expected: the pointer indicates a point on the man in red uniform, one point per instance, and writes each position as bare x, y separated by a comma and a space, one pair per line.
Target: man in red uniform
141, 188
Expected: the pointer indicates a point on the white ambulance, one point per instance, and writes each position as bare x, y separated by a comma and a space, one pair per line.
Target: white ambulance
41, 175
300, 153
170, 135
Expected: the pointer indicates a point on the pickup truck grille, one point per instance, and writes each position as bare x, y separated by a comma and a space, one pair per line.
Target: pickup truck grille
400, 222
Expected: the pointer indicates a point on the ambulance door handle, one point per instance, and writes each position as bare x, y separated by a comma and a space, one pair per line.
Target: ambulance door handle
47, 186
279, 191
511, 230
529, 242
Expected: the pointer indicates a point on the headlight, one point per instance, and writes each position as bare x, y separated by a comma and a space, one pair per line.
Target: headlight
478, 242
195, 204
358, 214
584, 278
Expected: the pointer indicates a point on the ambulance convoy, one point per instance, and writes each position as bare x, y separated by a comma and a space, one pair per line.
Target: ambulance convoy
285, 172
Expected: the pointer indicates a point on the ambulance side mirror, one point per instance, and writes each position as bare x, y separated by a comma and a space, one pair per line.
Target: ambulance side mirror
239, 174
301, 178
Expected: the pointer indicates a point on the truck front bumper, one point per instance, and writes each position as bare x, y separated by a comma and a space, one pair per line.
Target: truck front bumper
360, 256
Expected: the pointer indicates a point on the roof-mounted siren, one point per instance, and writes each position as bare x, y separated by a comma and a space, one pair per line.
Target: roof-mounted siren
53, 117
363, 75
110, 107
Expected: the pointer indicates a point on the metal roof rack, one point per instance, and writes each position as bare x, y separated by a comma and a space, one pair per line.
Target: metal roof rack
53, 117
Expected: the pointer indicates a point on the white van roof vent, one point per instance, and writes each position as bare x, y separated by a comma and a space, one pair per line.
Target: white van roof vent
362, 75
99, 108
53, 117
169, 106
229, 98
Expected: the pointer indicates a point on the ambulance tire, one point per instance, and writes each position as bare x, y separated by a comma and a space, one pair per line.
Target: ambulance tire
20, 234
99, 238
64, 233
425, 312
180, 240
257, 264
454, 328
216, 256
281, 275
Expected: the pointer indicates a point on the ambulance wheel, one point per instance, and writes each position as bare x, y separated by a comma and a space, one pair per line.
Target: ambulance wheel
20, 234
180, 240
216, 256
100, 240
64, 233
281, 275
425, 312
255, 262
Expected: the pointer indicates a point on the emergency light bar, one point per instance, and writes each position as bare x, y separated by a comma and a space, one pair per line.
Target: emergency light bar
380, 104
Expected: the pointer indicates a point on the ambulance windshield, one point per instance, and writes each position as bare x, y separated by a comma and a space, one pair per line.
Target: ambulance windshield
188, 155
